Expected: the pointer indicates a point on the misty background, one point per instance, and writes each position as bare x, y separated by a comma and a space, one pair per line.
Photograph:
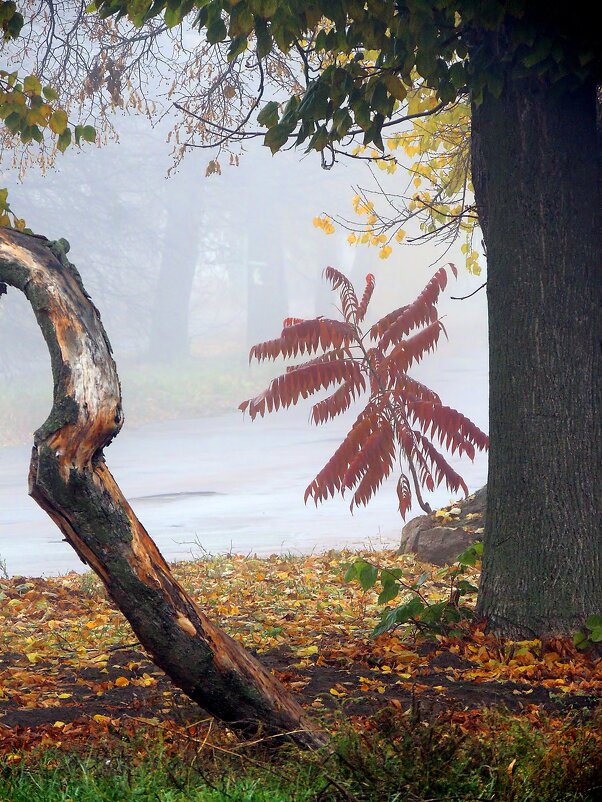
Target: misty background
188, 272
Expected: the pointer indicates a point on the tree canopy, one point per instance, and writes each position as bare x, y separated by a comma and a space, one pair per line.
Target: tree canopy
361, 59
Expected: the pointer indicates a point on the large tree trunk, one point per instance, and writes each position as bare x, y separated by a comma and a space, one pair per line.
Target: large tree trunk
70, 480
535, 173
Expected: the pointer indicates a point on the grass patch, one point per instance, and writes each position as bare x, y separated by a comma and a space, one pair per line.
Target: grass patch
388, 758
190, 388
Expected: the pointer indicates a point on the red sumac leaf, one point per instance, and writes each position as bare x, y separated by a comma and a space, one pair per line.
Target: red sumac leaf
404, 494
363, 305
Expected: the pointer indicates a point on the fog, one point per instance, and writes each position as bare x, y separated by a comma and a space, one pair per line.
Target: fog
188, 272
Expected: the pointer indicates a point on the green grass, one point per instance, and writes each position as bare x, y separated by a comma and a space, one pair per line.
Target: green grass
390, 760
190, 388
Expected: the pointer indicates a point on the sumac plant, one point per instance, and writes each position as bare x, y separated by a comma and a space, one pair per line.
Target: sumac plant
402, 419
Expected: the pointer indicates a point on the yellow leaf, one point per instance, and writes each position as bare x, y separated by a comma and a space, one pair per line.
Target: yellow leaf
32, 85
121, 682
58, 121
307, 651
101, 719
34, 657
64, 696
395, 87
60, 724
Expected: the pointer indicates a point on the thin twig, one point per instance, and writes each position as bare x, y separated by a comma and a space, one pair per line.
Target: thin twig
464, 297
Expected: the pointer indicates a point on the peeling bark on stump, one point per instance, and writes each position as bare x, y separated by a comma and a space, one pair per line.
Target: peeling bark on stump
69, 479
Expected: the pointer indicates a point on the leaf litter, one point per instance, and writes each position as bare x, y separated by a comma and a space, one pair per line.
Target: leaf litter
70, 665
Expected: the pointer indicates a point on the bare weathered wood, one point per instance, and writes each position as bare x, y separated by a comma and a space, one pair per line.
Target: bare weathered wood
70, 480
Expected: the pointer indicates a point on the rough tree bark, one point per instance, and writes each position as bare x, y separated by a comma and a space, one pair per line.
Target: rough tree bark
535, 170
70, 480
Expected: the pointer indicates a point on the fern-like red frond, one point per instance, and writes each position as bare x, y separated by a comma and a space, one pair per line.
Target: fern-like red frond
440, 468
304, 336
397, 402
404, 494
330, 479
372, 464
393, 327
411, 350
301, 382
366, 297
406, 387
291, 321
347, 294
453, 430
338, 402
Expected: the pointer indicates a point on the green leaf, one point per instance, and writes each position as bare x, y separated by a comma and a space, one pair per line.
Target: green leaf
268, 116
13, 122
495, 83
264, 38
457, 75
368, 574
241, 20
433, 613
64, 140
466, 587
238, 45
89, 133
319, 140
216, 31
594, 621
50, 93
471, 555
388, 593
173, 16
387, 622
411, 609
595, 634
276, 137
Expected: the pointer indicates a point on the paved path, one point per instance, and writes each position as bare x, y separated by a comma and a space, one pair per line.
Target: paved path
213, 484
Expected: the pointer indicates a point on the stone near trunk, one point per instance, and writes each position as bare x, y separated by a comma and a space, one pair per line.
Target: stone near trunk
439, 538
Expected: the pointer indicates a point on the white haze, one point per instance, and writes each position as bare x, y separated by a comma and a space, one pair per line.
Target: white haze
245, 243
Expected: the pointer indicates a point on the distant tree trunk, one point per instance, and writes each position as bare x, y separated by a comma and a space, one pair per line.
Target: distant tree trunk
535, 172
169, 337
70, 480
267, 299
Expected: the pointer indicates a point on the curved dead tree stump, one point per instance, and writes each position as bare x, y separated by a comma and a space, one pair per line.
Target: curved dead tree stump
69, 479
